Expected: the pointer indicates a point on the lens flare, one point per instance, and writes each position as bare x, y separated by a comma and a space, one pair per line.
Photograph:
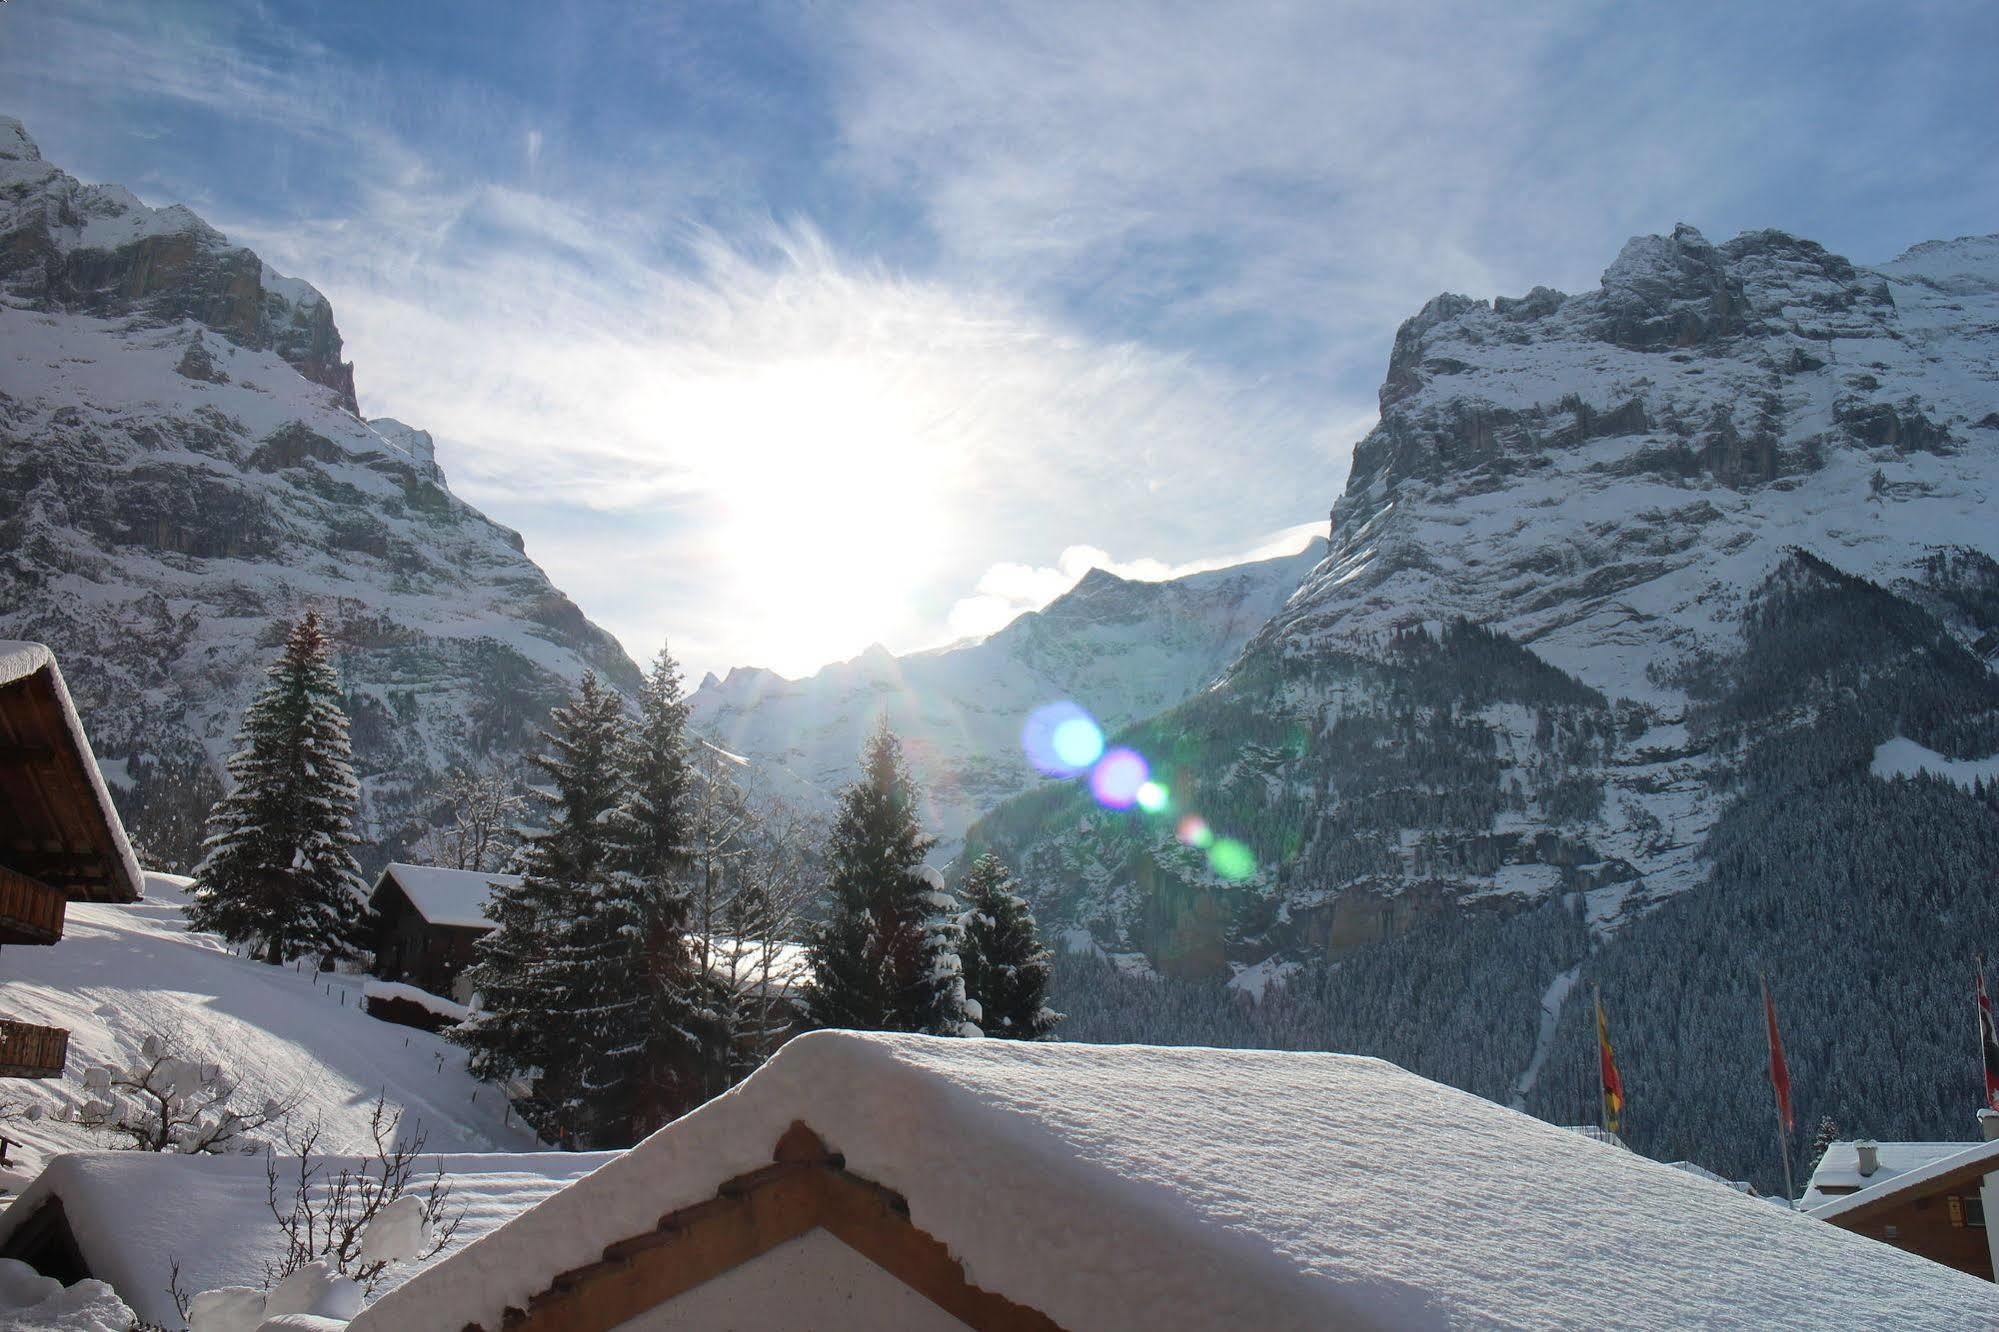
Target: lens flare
1152, 797
1062, 740
1117, 777
1195, 832
1078, 743
1231, 860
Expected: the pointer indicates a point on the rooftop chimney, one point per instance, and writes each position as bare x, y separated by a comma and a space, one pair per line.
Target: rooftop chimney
1868, 1156
1988, 1122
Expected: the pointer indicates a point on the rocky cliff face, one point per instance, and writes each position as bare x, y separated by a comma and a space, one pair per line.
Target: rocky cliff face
1641, 605
181, 463
1489, 691
1120, 648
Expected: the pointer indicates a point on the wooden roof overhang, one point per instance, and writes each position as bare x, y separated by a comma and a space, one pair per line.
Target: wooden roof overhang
806, 1188
1894, 1193
56, 827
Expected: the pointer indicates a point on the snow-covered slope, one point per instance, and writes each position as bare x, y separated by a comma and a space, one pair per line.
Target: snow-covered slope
181, 462
122, 973
1123, 649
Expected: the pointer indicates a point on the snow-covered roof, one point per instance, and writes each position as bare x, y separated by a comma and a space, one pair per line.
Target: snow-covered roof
1128, 1187
1838, 1171
134, 1214
18, 662
1974, 1157
447, 896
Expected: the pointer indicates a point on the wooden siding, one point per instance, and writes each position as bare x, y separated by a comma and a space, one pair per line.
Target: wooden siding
51, 826
31, 912
806, 1188
409, 948
28, 1051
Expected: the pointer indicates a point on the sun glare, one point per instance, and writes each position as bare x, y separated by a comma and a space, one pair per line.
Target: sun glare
831, 501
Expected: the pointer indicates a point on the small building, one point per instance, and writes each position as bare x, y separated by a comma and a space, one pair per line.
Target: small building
60, 836
129, 1218
430, 921
867, 1181
1927, 1198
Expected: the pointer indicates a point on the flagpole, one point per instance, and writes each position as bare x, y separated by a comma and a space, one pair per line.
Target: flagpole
1602, 1092
1776, 1102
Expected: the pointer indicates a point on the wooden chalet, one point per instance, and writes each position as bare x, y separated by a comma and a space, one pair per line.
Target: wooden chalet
60, 837
429, 920
873, 1180
1925, 1198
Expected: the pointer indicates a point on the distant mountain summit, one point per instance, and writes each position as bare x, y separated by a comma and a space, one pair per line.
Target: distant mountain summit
182, 460
1121, 648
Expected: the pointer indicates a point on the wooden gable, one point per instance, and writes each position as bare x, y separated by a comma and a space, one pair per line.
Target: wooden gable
53, 828
806, 1190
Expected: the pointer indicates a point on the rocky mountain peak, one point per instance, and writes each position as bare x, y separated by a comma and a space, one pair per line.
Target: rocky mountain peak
96, 249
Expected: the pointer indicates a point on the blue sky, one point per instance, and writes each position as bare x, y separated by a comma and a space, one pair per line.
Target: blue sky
780, 329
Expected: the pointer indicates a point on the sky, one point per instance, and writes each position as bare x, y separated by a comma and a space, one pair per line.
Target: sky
781, 329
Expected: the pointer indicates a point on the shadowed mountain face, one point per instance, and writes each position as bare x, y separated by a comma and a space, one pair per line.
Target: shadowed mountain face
181, 463
1626, 593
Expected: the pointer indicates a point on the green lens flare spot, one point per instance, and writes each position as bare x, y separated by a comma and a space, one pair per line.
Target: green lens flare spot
1231, 860
1152, 797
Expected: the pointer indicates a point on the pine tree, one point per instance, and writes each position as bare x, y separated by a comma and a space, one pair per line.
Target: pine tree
547, 1003
883, 958
1005, 967
656, 1009
278, 863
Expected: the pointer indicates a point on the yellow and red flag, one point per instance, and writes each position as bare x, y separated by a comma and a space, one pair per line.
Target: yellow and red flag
1613, 1085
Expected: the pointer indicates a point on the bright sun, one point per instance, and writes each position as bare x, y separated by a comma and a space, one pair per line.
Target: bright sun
833, 503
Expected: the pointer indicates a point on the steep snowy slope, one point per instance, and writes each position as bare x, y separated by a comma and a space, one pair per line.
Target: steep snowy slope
181, 463
122, 973
1120, 648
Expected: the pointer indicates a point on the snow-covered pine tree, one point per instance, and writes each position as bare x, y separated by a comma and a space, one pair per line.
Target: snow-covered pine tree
544, 995
278, 864
655, 1008
1005, 966
883, 958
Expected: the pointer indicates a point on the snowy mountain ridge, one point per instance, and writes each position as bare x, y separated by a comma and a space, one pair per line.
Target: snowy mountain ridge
1122, 648
1609, 480
181, 463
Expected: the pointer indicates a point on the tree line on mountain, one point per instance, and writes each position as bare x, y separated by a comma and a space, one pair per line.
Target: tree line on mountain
639, 964
1864, 902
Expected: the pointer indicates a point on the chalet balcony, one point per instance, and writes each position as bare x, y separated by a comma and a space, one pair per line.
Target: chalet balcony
28, 1051
31, 912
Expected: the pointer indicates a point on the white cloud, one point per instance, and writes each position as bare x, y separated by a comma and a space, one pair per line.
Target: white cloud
1007, 590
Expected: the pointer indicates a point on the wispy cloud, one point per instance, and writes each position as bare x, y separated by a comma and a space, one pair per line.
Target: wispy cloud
782, 329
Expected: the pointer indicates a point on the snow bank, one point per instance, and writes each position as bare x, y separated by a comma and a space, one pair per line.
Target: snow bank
136, 1213
33, 1303
410, 994
1902, 757
1126, 1187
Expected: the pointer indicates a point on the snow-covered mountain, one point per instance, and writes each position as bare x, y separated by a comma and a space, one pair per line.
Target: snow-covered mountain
181, 463
1122, 649
1638, 601
1607, 482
